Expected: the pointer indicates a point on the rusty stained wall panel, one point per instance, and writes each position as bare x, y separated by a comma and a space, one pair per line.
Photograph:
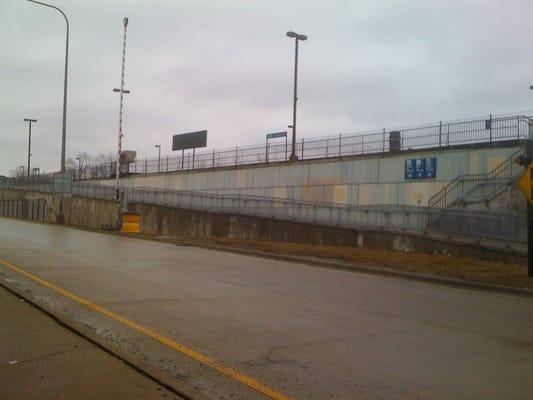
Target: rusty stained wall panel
361, 181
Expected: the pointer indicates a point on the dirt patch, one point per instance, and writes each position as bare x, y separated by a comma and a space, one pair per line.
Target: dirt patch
439, 265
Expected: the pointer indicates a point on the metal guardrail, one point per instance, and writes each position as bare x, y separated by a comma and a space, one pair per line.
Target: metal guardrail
416, 219
478, 186
439, 135
479, 225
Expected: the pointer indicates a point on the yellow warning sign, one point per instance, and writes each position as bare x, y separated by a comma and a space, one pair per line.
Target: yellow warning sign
526, 184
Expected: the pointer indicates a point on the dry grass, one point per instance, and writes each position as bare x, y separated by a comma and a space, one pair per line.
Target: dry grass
448, 266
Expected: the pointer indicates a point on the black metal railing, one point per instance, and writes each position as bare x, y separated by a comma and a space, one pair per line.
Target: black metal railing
486, 185
503, 228
439, 135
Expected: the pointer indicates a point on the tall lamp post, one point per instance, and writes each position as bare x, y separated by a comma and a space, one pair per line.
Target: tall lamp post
29, 121
158, 146
122, 92
64, 131
297, 37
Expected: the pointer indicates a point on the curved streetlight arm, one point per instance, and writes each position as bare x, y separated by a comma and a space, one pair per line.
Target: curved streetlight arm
51, 6
64, 129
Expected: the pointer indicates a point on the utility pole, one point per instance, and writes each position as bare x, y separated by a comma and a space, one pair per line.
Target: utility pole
122, 92
29, 121
297, 37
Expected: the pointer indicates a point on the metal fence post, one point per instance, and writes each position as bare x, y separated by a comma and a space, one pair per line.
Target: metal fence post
340, 146
213, 158
490, 128
236, 155
440, 134
302, 148
286, 147
383, 140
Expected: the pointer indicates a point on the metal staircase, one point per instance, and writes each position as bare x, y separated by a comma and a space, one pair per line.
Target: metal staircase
478, 187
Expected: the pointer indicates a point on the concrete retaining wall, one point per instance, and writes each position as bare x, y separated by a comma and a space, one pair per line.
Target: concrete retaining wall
358, 180
166, 221
50, 204
429, 245
76, 211
92, 213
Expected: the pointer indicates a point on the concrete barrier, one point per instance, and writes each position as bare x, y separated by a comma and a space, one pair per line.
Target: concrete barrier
169, 221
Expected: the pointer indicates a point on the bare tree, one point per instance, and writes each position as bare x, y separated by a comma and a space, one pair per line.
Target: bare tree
18, 173
70, 164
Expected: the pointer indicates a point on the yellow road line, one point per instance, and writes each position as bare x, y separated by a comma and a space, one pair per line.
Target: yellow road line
195, 355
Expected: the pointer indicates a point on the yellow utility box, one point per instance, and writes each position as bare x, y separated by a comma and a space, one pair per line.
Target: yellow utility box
131, 223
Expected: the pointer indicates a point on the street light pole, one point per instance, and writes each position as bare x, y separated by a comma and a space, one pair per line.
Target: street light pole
121, 91
64, 129
158, 157
29, 121
297, 37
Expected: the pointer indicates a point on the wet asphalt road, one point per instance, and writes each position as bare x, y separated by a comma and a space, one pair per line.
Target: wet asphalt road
307, 332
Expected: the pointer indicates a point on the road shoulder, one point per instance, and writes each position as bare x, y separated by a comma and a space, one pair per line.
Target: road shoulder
46, 357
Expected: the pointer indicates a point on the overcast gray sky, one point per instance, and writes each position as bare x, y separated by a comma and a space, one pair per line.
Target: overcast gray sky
227, 66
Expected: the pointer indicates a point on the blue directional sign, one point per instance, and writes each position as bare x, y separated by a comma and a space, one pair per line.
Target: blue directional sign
421, 168
431, 168
410, 169
276, 135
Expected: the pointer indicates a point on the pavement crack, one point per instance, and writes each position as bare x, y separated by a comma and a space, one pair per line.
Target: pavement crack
54, 354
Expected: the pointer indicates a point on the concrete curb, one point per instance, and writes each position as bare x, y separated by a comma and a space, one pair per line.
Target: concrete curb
456, 282
161, 377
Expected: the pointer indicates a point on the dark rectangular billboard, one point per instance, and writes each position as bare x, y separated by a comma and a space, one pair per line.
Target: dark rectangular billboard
189, 140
